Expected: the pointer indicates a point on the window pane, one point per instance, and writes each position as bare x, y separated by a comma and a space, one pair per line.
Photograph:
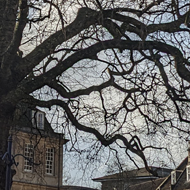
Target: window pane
40, 121
29, 154
49, 161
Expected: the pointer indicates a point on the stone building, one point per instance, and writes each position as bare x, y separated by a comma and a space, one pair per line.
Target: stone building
167, 179
38, 150
134, 179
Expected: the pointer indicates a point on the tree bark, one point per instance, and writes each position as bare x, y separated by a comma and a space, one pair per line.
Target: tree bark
6, 118
8, 11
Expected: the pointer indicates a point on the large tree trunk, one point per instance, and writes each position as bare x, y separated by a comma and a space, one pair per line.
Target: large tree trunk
8, 11
6, 115
8, 14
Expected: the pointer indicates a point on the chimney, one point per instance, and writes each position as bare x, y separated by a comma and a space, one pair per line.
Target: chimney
188, 152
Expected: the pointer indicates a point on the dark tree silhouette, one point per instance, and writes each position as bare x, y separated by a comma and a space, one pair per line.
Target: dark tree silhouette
111, 64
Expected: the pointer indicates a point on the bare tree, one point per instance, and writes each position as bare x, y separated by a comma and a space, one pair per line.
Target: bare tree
114, 70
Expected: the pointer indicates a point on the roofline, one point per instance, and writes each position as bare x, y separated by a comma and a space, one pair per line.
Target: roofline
106, 177
147, 182
110, 179
44, 134
120, 179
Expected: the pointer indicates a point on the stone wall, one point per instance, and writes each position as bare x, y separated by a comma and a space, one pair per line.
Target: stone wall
37, 175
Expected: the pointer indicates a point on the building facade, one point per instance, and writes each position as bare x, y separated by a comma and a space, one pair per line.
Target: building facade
134, 179
167, 179
38, 152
